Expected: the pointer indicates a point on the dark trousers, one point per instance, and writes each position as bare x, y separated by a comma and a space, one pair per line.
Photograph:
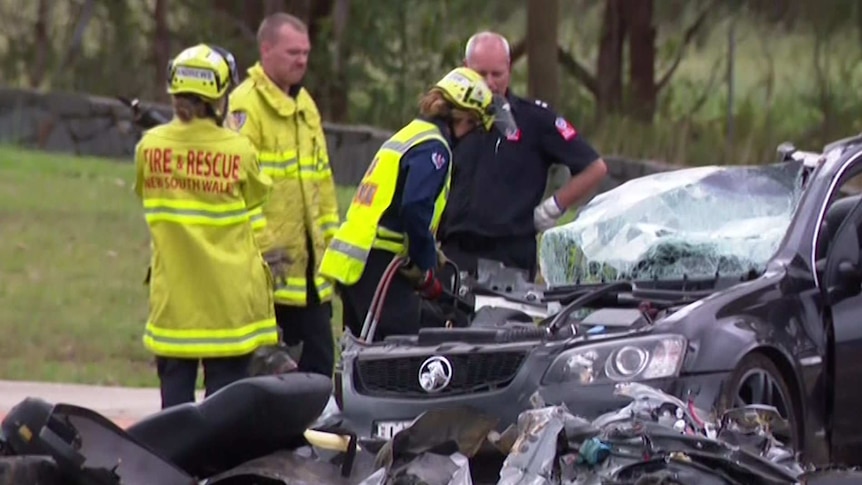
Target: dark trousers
401, 309
514, 252
177, 377
310, 325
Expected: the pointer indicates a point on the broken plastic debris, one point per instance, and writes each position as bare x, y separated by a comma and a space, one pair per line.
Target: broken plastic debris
593, 451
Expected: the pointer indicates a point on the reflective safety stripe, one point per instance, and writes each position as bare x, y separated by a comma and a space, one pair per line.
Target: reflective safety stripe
276, 162
384, 233
212, 342
402, 146
389, 241
258, 220
349, 250
391, 246
324, 288
322, 163
286, 164
195, 212
294, 289
328, 224
355, 252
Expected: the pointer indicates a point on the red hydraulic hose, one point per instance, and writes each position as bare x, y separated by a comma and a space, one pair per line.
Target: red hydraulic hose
369, 326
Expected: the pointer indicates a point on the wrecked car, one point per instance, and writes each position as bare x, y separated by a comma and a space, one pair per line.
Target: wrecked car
724, 286
253, 432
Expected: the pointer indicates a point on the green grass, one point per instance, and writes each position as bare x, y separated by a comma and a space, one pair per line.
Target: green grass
73, 257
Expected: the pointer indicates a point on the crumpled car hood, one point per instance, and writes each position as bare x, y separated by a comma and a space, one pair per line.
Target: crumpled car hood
691, 222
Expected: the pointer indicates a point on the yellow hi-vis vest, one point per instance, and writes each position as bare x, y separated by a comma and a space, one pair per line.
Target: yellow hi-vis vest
344, 259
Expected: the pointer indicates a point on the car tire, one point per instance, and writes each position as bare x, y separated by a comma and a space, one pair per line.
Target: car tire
749, 368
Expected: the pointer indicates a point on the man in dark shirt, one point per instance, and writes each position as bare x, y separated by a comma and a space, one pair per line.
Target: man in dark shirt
495, 207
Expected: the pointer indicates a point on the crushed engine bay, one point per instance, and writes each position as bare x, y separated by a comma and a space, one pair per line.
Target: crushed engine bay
656, 439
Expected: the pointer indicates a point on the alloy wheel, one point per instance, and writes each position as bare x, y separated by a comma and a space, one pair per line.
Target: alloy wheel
757, 386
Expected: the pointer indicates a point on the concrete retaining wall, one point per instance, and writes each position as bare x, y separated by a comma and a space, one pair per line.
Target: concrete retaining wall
91, 125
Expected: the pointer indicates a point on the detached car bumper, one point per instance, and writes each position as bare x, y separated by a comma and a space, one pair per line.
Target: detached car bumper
379, 409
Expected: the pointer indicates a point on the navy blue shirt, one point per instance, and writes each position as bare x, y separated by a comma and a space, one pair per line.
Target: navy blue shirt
420, 180
498, 181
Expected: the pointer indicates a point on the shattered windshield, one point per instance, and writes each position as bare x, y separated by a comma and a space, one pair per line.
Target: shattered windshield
693, 222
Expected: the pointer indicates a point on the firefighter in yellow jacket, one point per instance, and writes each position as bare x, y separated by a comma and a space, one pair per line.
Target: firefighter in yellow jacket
281, 119
210, 288
398, 205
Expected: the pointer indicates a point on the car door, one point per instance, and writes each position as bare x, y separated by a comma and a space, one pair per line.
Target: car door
842, 293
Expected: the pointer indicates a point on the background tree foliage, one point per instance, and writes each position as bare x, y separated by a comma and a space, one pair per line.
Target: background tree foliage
665, 79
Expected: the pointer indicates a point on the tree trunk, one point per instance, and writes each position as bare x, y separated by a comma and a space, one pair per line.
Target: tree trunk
609, 69
542, 25
272, 6
43, 44
73, 49
302, 9
340, 84
161, 46
247, 14
252, 15
859, 19
638, 20
319, 12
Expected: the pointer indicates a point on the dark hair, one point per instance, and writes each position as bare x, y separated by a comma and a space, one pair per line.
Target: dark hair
433, 105
188, 107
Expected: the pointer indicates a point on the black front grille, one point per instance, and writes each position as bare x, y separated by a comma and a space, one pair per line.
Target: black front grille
471, 373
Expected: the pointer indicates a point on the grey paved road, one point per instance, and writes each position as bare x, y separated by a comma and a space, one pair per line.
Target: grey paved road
122, 405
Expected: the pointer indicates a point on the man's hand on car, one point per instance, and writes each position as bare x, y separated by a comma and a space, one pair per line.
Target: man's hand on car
545, 215
277, 260
425, 282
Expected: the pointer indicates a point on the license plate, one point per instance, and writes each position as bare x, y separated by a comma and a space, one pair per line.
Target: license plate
387, 429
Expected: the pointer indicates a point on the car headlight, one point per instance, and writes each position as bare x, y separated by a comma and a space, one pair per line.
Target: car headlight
634, 359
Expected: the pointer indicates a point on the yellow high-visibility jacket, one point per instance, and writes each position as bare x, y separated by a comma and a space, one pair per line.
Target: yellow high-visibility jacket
345, 258
288, 133
210, 288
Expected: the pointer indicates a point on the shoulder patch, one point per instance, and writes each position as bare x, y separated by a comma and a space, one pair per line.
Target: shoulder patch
438, 160
566, 129
236, 120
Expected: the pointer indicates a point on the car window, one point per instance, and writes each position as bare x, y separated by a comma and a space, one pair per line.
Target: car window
853, 185
845, 196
